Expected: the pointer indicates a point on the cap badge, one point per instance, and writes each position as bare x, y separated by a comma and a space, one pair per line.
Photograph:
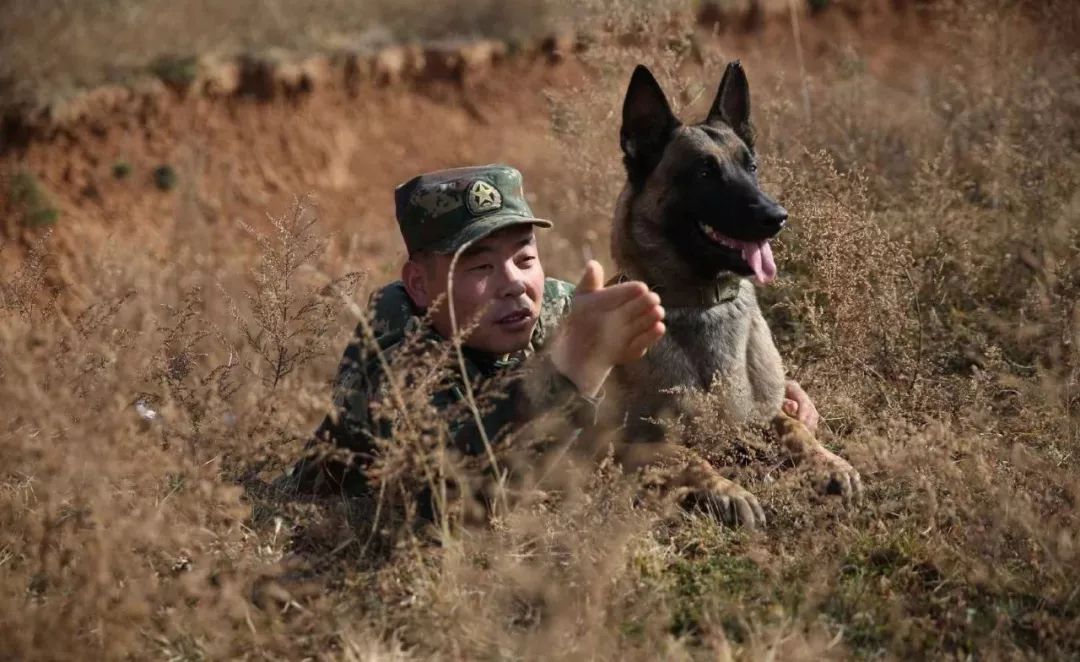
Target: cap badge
482, 198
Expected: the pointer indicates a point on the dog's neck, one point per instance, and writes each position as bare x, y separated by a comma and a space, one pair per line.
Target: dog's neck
722, 290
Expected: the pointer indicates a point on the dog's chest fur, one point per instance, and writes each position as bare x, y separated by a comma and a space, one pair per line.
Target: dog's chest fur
726, 351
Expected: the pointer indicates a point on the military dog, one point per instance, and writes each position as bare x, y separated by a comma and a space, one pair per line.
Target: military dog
693, 223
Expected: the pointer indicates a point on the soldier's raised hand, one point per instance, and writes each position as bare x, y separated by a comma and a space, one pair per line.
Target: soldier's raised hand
607, 326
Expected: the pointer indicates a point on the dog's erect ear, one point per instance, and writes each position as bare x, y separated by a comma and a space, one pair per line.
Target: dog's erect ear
646, 125
732, 103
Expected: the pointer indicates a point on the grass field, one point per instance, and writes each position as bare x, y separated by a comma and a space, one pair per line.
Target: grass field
165, 350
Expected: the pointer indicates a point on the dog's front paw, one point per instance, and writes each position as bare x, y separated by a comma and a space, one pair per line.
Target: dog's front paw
725, 500
835, 475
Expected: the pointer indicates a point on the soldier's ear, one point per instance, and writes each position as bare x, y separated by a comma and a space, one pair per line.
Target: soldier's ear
732, 103
416, 277
647, 124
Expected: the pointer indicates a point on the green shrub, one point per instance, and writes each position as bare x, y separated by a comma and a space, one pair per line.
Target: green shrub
165, 177
34, 200
178, 71
121, 169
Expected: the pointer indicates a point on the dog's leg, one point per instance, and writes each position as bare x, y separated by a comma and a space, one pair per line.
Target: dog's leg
681, 475
838, 476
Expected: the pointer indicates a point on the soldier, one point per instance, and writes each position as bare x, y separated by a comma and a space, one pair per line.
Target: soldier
475, 223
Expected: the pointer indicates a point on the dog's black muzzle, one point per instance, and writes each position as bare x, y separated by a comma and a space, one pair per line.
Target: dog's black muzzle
767, 216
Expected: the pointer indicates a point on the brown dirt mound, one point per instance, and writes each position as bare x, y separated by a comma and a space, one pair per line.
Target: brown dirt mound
235, 158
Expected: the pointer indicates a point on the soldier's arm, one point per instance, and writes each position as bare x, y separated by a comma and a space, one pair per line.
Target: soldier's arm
536, 396
544, 389
335, 455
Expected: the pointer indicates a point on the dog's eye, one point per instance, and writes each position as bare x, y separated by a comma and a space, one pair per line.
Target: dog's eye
752, 166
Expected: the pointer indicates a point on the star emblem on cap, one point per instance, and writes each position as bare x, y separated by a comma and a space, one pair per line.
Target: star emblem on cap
482, 198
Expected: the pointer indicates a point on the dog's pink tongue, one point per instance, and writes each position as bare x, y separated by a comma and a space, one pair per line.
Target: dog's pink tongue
758, 254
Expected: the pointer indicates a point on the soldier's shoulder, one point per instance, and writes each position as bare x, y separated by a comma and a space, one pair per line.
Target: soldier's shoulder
362, 355
391, 309
558, 293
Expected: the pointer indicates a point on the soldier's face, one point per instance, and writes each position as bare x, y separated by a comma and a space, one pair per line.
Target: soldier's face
498, 287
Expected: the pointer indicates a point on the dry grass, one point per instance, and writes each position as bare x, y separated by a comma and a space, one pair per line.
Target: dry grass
929, 304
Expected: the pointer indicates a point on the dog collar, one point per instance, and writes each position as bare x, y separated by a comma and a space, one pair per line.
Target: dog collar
722, 290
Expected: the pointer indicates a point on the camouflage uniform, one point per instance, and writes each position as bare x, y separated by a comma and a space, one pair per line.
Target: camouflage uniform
443, 211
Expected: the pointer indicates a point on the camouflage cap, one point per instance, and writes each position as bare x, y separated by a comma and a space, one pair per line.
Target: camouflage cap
444, 210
